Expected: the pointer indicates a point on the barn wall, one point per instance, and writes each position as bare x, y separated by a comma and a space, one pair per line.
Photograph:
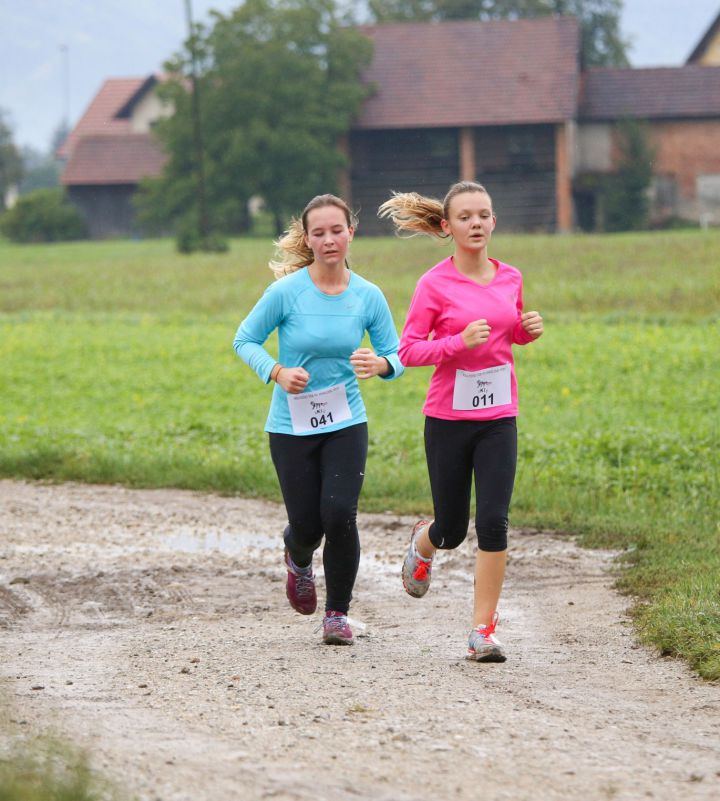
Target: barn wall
516, 163
107, 210
408, 160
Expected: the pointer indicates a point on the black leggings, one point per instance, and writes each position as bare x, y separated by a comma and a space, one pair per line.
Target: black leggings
455, 449
321, 476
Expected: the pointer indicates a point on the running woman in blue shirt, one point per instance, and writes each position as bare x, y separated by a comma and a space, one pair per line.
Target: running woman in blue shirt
317, 422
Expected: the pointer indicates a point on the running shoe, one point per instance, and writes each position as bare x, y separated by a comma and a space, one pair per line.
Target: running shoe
416, 569
483, 645
300, 587
336, 629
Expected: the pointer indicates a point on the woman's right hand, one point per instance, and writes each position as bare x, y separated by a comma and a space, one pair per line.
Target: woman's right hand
476, 333
292, 379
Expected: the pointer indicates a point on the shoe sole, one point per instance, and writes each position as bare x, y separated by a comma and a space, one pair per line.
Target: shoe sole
415, 593
301, 611
335, 640
491, 655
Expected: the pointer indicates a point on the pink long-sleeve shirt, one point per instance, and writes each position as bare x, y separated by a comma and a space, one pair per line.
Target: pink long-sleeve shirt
445, 301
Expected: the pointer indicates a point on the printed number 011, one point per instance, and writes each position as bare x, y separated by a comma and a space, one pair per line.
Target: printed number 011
477, 399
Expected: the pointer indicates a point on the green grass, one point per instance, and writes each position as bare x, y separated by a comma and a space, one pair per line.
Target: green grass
117, 367
46, 771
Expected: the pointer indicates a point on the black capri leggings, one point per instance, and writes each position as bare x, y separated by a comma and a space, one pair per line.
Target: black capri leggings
321, 476
455, 449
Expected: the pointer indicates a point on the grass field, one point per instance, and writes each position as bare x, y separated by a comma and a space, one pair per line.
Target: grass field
117, 366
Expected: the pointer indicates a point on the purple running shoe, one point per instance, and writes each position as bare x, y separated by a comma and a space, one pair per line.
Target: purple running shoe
300, 587
336, 630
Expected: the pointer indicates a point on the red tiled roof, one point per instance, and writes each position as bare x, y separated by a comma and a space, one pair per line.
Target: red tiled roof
121, 159
472, 73
99, 117
661, 92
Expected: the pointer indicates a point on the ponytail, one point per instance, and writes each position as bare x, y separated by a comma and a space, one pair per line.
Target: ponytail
291, 252
418, 214
409, 211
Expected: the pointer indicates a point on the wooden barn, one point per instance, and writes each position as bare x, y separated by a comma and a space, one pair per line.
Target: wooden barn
488, 101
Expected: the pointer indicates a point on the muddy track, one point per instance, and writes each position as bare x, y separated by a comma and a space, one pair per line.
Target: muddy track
157, 626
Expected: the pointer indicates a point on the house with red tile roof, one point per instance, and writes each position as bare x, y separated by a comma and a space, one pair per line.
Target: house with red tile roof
110, 150
504, 102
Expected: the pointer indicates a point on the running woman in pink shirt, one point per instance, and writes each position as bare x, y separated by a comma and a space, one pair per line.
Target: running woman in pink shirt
464, 318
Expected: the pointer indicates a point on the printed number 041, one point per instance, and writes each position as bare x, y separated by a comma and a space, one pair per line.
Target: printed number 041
323, 420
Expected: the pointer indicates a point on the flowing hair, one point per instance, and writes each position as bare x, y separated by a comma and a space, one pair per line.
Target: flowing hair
291, 251
409, 211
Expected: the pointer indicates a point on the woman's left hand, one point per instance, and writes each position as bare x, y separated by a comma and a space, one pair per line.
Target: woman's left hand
532, 322
366, 364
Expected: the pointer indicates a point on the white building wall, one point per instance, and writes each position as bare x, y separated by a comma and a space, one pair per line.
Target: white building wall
593, 148
147, 112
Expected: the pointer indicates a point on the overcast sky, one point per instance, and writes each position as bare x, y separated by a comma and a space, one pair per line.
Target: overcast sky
123, 38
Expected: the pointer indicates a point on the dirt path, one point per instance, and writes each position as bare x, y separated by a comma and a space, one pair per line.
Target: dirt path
157, 626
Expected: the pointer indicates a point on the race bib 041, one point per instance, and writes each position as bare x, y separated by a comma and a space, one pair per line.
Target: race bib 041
482, 389
314, 411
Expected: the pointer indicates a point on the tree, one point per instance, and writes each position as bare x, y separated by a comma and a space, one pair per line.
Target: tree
59, 135
11, 170
602, 43
626, 202
44, 215
40, 170
280, 84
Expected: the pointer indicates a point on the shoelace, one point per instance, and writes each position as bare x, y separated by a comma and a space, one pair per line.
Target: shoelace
304, 585
333, 623
336, 622
486, 631
424, 566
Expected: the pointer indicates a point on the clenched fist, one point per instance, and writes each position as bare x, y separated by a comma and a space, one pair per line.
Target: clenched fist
532, 322
366, 364
476, 333
292, 379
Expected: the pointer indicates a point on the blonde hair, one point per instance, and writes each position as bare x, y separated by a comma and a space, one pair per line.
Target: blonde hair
409, 211
291, 251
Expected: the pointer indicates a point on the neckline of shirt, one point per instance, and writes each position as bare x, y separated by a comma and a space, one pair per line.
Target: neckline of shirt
496, 262
318, 291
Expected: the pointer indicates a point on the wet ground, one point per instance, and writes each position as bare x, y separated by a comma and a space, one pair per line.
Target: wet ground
151, 627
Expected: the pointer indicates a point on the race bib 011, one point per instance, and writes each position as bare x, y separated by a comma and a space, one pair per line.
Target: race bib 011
482, 389
314, 411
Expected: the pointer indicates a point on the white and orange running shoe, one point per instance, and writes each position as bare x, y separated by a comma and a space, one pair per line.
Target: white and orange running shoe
416, 569
483, 645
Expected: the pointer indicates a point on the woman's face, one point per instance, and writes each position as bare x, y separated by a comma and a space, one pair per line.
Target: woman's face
470, 220
328, 235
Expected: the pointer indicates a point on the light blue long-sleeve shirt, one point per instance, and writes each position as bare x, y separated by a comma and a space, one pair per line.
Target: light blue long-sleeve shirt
318, 332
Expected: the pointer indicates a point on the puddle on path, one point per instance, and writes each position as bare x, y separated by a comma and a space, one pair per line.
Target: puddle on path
231, 543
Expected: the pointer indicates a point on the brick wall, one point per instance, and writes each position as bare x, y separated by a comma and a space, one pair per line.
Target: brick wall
687, 152
687, 149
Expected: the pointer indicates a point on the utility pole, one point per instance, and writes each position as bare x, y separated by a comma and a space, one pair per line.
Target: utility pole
197, 129
65, 85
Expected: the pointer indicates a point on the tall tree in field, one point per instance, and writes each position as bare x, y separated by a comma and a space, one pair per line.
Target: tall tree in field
627, 203
11, 169
602, 42
278, 87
